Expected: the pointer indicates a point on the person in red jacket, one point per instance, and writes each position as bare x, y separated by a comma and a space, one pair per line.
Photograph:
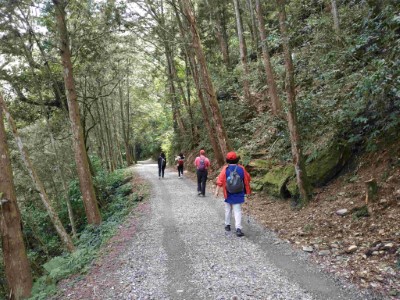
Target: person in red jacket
202, 164
235, 182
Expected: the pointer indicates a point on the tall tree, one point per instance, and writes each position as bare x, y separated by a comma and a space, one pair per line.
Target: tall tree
65, 238
17, 268
192, 66
206, 79
243, 52
272, 88
220, 31
81, 158
297, 155
125, 129
62, 177
335, 15
253, 27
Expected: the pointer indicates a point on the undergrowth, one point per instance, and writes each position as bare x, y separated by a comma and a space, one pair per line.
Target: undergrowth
119, 204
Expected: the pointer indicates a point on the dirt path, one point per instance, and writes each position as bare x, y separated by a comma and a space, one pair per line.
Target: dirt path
175, 247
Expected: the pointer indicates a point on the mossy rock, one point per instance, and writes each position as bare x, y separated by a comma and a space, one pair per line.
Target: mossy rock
125, 189
256, 185
274, 182
280, 181
258, 166
292, 188
328, 164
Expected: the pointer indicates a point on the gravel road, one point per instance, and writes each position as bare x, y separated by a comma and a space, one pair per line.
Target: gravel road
181, 251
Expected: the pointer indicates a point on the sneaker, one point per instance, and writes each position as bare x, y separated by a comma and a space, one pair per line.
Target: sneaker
198, 193
228, 227
239, 232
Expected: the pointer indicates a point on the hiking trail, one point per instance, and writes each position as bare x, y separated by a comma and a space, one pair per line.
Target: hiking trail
174, 246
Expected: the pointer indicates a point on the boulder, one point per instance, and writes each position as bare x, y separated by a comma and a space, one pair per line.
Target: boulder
328, 163
280, 181
274, 182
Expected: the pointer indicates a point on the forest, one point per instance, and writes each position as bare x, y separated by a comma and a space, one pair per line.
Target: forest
305, 91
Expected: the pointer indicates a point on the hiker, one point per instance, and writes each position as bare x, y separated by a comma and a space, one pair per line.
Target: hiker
235, 181
162, 163
180, 159
202, 164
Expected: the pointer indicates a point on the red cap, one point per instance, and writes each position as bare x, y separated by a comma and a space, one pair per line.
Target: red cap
202, 152
231, 156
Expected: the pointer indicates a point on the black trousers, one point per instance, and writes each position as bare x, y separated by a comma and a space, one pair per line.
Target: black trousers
201, 181
161, 170
180, 170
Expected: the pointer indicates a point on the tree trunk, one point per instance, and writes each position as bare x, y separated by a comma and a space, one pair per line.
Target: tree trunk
253, 27
128, 120
61, 174
243, 53
65, 238
335, 16
103, 140
214, 143
272, 88
173, 94
108, 127
192, 65
82, 163
298, 160
123, 127
17, 269
63, 180
107, 134
208, 86
193, 126
221, 35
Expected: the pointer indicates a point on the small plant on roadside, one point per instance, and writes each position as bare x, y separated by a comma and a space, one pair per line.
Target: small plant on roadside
360, 212
308, 228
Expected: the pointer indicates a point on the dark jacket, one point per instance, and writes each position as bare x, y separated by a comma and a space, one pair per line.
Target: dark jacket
162, 162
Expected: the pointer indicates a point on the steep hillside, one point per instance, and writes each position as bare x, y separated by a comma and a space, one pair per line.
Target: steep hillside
361, 244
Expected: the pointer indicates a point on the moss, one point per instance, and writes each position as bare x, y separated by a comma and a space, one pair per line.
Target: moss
328, 163
259, 163
258, 166
274, 182
256, 185
292, 187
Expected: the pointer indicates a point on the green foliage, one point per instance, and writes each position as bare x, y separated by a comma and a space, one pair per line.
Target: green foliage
308, 228
360, 212
91, 238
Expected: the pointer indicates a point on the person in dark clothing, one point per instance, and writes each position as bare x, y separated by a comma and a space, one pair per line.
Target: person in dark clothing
180, 159
162, 163
202, 164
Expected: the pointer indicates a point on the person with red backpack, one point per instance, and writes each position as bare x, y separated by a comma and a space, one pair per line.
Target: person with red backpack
180, 160
235, 181
202, 164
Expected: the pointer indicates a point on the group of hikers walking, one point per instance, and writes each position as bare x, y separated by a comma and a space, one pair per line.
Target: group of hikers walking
233, 180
